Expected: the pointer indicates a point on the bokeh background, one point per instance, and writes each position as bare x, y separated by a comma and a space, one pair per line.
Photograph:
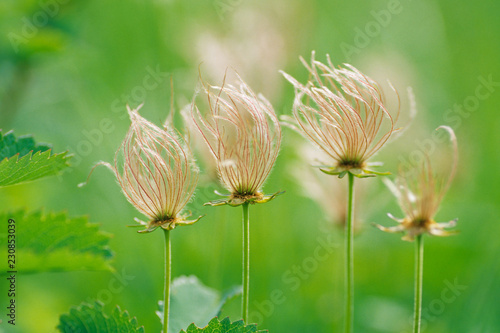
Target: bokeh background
63, 72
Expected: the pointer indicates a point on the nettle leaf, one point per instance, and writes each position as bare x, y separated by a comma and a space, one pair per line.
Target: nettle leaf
90, 318
193, 302
224, 326
23, 160
10, 145
54, 242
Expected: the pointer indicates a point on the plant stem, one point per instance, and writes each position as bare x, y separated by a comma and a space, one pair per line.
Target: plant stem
349, 266
246, 262
419, 269
166, 298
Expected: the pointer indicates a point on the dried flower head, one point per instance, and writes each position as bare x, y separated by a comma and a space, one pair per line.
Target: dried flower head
419, 195
244, 136
343, 112
156, 172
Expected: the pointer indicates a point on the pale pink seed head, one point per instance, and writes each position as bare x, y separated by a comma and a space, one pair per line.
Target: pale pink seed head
420, 194
243, 134
155, 170
343, 112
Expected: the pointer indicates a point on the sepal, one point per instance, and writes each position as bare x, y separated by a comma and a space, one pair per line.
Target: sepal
167, 225
235, 201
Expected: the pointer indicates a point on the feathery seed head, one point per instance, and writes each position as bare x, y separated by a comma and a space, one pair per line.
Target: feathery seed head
156, 172
343, 112
243, 134
419, 195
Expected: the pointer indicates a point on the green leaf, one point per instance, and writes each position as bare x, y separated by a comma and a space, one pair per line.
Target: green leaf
10, 145
23, 160
224, 326
54, 242
193, 302
90, 318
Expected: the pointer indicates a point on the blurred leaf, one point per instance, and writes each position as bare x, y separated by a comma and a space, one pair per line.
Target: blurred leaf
90, 318
10, 145
54, 242
216, 326
193, 302
31, 28
23, 160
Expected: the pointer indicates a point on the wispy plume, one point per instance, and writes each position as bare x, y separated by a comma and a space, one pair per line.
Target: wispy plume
343, 112
420, 194
243, 134
156, 171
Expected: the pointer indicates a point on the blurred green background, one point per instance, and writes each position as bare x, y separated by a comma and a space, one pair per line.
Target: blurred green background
63, 72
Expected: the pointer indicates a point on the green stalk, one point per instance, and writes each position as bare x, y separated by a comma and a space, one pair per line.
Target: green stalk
246, 262
419, 269
349, 266
166, 298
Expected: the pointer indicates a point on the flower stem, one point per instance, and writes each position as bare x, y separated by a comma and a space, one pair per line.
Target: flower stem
349, 266
166, 298
246, 262
419, 269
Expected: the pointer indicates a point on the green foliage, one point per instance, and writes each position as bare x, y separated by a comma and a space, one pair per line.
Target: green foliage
224, 326
10, 145
54, 242
191, 301
90, 318
23, 160
90, 79
17, 17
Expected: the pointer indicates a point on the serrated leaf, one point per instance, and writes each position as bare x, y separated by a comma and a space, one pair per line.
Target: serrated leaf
54, 242
193, 302
224, 326
11, 145
23, 160
91, 318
